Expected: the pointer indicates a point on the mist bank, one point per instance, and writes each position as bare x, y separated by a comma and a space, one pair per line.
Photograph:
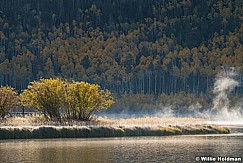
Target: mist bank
43, 132
221, 104
173, 105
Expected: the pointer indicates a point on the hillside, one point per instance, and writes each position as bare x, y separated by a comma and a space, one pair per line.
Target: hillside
145, 46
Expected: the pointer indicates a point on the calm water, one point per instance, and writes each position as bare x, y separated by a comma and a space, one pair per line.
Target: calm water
136, 149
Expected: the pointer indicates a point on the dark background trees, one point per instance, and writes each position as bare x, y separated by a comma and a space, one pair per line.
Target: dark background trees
145, 46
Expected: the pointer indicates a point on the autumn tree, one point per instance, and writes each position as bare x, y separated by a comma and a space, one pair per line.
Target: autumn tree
58, 99
8, 100
85, 99
46, 96
151, 46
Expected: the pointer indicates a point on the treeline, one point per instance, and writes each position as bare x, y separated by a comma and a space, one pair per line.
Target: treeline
146, 46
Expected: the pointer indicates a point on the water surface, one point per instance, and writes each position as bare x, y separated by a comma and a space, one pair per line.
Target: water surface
133, 149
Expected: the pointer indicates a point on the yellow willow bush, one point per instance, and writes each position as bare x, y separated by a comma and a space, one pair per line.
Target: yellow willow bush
58, 99
8, 100
84, 99
46, 95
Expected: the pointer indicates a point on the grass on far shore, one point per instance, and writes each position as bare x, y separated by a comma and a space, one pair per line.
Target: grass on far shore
38, 127
38, 120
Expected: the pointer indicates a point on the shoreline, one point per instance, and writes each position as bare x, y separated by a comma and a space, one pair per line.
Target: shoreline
47, 132
36, 127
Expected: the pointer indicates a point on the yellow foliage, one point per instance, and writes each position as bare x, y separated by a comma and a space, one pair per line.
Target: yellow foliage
84, 99
46, 95
78, 100
8, 100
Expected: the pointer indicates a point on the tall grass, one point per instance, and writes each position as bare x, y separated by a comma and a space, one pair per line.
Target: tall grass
150, 121
39, 120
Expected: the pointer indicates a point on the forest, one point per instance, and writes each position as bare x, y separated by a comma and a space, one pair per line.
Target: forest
127, 46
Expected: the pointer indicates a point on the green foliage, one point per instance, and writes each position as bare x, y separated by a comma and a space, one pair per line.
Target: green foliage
8, 100
76, 100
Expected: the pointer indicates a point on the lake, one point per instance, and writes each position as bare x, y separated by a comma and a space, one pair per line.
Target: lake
132, 149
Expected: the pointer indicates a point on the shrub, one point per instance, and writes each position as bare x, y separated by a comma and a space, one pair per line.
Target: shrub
8, 100
46, 95
85, 99
78, 100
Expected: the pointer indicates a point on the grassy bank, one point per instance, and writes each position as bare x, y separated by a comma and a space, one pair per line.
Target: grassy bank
42, 132
37, 128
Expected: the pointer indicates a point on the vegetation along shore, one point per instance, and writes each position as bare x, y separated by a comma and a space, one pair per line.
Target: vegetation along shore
35, 128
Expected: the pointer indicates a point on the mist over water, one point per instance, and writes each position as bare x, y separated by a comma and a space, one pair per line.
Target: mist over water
164, 112
223, 87
221, 110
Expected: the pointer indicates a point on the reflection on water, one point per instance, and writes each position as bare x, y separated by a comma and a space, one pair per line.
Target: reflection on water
136, 149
